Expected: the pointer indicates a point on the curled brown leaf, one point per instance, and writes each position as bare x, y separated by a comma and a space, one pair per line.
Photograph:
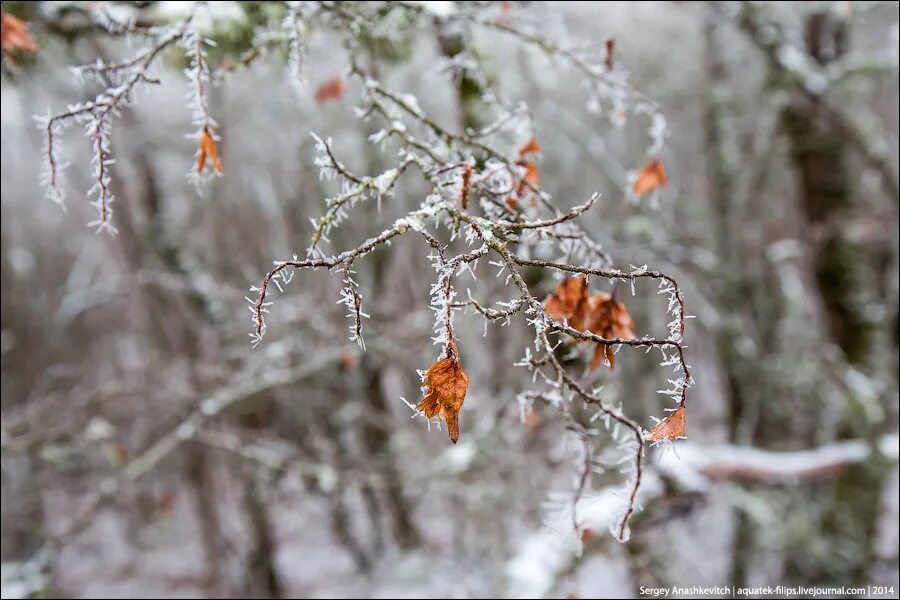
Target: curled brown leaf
14, 35
330, 90
610, 52
464, 187
529, 147
599, 313
670, 428
445, 391
569, 301
208, 150
609, 319
650, 177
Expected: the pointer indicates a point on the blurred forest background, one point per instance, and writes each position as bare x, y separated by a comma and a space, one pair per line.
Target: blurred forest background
148, 449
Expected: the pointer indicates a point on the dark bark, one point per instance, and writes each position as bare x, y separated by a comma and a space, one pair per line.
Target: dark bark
262, 572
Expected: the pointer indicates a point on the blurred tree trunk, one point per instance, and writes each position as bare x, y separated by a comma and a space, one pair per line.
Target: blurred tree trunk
262, 574
375, 431
721, 185
843, 277
468, 90
819, 151
200, 477
185, 325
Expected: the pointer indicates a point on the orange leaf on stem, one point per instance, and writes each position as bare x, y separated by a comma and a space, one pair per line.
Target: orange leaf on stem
445, 385
529, 147
609, 319
14, 35
669, 428
330, 90
649, 178
569, 301
600, 313
208, 149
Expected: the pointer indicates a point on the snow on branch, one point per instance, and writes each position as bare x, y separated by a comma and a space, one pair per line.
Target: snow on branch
492, 198
121, 80
545, 555
484, 199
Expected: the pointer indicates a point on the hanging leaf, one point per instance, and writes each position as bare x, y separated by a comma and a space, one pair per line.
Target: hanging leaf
670, 428
532, 173
652, 176
569, 301
608, 319
445, 390
532, 176
332, 89
600, 313
208, 149
464, 186
532, 419
610, 60
14, 35
529, 147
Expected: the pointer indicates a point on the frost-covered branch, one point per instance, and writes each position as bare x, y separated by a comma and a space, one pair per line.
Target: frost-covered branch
542, 558
484, 199
493, 199
96, 114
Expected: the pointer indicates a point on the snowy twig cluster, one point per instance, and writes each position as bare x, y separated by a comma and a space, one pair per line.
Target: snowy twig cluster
119, 82
485, 200
484, 196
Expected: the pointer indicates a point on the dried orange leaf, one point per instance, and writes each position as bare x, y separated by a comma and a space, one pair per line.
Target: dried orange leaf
669, 428
610, 52
445, 385
208, 150
652, 176
600, 313
609, 319
14, 35
532, 418
348, 359
600, 352
464, 186
569, 301
529, 147
532, 173
330, 90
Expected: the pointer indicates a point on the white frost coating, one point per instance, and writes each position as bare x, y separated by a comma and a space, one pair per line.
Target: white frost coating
412, 103
384, 181
186, 431
543, 555
699, 462
659, 133
439, 8
414, 222
296, 32
99, 429
533, 571
209, 407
